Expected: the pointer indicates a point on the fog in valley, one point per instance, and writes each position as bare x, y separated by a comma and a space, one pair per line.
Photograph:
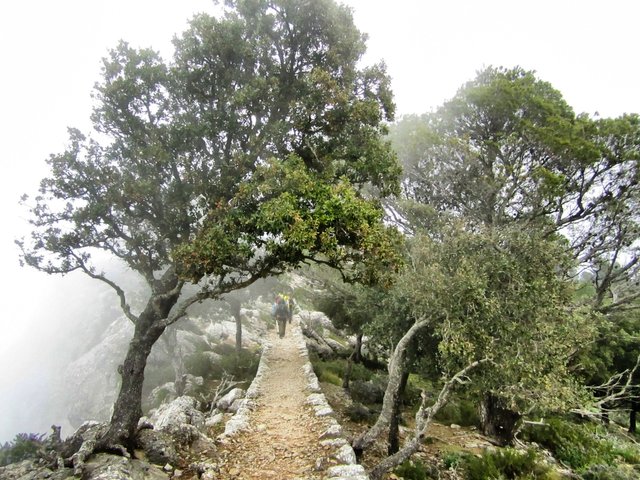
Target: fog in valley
56, 320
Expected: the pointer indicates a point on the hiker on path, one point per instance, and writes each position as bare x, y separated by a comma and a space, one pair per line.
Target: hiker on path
281, 314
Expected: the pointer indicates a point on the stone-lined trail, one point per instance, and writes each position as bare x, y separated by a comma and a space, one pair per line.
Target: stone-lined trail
289, 432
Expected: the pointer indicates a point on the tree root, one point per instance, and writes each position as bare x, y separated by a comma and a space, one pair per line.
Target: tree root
74, 451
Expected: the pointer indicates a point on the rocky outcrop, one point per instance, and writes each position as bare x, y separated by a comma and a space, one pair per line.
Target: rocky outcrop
94, 375
230, 400
111, 467
183, 411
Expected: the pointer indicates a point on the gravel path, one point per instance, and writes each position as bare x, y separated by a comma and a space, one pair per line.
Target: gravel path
283, 440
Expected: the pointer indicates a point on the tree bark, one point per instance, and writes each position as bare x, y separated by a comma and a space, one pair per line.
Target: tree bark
358, 348
633, 413
394, 427
424, 417
127, 409
498, 421
396, 366
347, 371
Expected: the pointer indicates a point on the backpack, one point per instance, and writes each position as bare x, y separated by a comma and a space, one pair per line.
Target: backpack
282, 311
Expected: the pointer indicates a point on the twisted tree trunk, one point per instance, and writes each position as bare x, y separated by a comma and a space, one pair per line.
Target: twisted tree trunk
394, 427
127, 409
396, 367
497, 420
424, 417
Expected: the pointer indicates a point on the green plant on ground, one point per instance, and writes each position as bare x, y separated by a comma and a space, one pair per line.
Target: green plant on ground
459, 411
611, 472
581, 446
198, 364
416, 470
507, 463
242, 366
452, 460
22, 447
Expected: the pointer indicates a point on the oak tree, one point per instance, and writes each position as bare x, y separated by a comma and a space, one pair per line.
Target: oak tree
244, 156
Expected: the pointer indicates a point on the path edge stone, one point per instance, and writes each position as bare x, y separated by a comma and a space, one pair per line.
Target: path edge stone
347, 467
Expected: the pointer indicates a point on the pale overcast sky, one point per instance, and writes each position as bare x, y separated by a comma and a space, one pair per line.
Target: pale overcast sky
50, 54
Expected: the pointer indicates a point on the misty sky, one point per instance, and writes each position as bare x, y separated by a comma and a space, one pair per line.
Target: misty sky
50, 55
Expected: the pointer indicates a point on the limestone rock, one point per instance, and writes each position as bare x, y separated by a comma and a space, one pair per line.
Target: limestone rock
214, 419
158, 447
162, 394
111, 467
31, 470
334, 431
225, 402
346, 455
335, 345
351, 472
182, 411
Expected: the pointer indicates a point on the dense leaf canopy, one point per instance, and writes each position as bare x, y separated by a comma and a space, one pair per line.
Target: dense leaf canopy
255, 142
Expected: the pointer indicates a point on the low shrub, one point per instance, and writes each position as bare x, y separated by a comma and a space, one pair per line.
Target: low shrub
611, 472
580, 445
327, 376
452, 460
241, 366
224, 349
504, 464
328, 371
461, 412
359, 413
22, 447
416, 470
369, 392
198, 364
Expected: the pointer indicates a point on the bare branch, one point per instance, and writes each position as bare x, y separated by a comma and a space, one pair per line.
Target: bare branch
616, 389
424, 416
121, 295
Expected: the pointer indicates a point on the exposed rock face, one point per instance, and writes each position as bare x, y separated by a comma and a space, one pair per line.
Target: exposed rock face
32, 470
94, 375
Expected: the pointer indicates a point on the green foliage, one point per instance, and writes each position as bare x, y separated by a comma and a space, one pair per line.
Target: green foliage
22, 447
452, 460
496, 293
415, 470
581, 445
307, 215
504, 464
199, 364
242, 366
469, 156
611, 472
338, 367
459, 411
